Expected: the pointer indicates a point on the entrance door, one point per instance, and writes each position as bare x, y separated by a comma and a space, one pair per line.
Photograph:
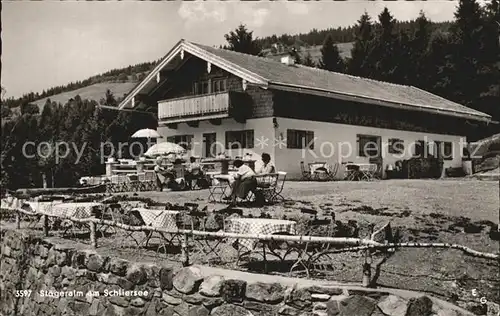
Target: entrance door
371, 146
209, 146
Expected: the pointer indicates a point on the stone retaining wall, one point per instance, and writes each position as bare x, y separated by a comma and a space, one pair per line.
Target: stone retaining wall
34, 270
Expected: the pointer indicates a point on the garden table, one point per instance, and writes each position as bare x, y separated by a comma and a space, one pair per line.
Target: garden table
158, 218
259, 226
60, 209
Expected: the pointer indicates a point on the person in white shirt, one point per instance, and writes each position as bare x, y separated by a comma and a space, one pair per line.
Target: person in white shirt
265, 166
244, 181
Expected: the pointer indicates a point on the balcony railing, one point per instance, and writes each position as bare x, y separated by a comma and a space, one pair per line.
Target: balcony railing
201, 107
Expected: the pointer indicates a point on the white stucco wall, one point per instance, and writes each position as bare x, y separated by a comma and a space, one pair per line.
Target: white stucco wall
327, 136
332, 135
263, 127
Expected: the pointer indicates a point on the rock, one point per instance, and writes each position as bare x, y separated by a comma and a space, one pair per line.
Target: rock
166, 279
187, 280
262, 309
168, 311
95, 263
332, 308
233, 290
300, 298
288, 311
118, 300
357, 305
265, 292
182, 309
78, 260
324, 290
377, 312
476, 308
376, 295
211, 286
136, 274
446, 312
171, 300
137, 302
198, 311
213, 302
61, 258
194, 299
230, 309
492, 309
320, 297
118, 266
393, 305
421, 306
96, 308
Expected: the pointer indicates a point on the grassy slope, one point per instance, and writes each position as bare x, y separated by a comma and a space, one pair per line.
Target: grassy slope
92, 92
315, 51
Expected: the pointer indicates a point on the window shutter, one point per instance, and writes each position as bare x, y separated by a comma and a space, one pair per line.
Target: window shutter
310, 139
189, 140
249, 140
228, 140
289, 138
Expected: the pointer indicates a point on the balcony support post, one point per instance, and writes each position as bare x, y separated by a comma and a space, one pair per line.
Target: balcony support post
209, 67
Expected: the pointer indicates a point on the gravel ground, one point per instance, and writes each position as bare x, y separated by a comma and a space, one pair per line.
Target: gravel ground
453, 211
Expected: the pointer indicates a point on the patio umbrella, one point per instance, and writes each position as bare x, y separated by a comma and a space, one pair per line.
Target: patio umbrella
146, 133
164, 149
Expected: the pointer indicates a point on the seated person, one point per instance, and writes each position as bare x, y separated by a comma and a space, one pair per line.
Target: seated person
244, 182
169, 177
266, 166
193, 172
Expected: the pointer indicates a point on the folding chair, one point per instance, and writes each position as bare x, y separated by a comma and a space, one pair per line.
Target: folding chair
280, 184
306, 172
266, 186
217, 191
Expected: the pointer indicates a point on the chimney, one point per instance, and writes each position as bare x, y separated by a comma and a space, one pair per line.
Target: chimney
287, 60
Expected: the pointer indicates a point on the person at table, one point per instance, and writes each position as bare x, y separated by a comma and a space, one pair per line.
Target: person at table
265, 166
243, 181
169, 177
193, 172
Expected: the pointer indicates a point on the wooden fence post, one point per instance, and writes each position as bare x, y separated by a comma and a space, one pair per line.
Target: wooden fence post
367, 269
93, 235
45, 221
18, 220
185, 251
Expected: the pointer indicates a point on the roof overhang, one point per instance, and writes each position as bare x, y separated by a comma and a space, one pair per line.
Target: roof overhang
185, 47
368, 100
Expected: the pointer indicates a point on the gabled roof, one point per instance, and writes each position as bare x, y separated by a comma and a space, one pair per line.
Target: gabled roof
273, 74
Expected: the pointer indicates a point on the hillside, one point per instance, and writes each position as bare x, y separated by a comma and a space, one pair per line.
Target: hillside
315, 51
92, 92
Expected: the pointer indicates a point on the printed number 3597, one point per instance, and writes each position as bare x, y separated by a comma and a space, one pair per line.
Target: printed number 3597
23, 293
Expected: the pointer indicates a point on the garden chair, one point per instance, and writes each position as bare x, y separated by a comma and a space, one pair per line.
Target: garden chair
218, 191
306, 172
280, 184
266, 187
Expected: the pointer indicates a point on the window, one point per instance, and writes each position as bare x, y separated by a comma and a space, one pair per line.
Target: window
298, 139
396, 146
210, 86
368, 146
239, 139
200, 87
447, 151
183, 140
219, 85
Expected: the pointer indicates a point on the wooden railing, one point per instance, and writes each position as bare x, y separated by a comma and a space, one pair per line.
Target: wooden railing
194, 106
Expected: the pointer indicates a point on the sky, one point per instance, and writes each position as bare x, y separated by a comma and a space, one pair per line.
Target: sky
51, 43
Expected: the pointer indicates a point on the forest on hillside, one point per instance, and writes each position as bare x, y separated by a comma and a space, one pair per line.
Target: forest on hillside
459, 61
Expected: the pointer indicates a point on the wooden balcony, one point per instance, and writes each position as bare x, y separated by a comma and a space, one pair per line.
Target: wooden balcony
204, 107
